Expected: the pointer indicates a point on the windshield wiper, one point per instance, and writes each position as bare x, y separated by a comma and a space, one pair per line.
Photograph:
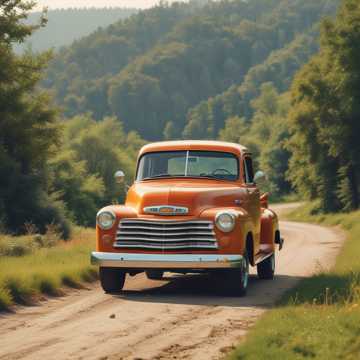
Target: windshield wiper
210, 176
183, 176
158, 176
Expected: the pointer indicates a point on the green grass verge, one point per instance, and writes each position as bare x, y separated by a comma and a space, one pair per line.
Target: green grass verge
46, 270
320, 318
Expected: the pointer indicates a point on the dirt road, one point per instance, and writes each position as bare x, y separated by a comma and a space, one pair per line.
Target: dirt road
178, 319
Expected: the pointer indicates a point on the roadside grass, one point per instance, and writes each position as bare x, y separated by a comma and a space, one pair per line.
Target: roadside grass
26, 244
284, 199
16, 245
45, 270
319, 318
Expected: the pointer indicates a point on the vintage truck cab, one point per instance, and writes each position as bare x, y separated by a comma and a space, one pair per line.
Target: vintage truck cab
194, 207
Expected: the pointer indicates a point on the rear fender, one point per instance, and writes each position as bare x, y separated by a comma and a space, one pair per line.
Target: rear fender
269, 227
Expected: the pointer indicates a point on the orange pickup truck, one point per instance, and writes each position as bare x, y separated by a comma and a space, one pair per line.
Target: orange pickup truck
194, 207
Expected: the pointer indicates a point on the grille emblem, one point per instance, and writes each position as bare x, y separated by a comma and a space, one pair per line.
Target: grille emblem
166, 210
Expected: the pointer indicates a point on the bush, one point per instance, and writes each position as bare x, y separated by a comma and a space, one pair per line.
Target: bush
53, 214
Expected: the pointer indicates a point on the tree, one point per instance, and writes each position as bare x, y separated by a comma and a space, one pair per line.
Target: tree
28, 128
83, 169
236, 130
80, 191
265, 135
169, 131
325, 116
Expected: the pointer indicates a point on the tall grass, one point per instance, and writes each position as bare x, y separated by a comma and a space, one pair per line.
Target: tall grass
22, 245
320, 318
46, 270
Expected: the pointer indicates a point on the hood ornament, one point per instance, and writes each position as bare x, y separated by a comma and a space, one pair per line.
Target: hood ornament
166, 210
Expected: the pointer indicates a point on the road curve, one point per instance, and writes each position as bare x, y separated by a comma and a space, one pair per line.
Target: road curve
179, 319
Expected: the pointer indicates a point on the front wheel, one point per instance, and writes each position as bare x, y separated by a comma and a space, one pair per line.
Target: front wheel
236, 281
266, 269
112, 280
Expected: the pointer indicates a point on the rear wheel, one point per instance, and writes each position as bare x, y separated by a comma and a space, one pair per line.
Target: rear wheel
112, 280
266, 269
154, 274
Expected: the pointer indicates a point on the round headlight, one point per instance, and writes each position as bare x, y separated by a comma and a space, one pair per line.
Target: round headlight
106, 219
225, 221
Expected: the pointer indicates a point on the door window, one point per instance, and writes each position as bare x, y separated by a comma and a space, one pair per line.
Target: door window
248, 170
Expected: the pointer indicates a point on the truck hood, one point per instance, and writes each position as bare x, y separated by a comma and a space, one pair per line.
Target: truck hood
196, 195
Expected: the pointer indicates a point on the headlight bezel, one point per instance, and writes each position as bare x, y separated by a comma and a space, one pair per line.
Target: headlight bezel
218, 224
101, 225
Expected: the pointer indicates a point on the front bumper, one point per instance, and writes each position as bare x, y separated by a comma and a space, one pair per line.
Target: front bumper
166, 261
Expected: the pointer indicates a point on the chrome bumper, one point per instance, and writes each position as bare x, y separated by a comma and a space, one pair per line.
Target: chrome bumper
165, 261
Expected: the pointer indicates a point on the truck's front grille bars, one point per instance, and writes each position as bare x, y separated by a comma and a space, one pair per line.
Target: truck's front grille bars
165, 235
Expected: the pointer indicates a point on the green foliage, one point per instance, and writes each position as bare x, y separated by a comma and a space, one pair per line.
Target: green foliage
75, 186
324, 116
279, 68
320, 317
236, 129
28, 129
169, 131
80, 73
163, 68
12, 19
84, 167
265, 134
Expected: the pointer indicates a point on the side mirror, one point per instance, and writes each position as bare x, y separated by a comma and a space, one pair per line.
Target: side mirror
119, 176
260, 177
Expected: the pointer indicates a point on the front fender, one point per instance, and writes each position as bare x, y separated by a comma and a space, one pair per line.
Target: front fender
235, 241
104, 238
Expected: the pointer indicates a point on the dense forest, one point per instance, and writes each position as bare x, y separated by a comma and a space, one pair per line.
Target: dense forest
279, 76
170, 59
66, 25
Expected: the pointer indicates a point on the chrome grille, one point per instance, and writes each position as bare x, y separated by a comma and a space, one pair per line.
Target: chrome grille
165, 235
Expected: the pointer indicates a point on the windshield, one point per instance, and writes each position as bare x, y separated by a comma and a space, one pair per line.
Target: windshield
207, 164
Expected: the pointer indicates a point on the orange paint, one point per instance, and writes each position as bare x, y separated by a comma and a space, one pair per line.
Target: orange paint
203, 198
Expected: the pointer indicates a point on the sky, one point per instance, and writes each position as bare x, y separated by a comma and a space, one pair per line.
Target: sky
56, 4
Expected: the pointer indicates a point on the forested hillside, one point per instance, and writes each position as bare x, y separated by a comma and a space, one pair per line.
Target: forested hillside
66, 25
176, 60
186, 71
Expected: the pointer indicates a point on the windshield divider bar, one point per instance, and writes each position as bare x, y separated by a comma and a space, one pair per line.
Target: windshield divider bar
186, 163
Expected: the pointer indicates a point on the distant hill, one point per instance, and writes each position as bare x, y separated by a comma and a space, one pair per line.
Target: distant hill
66, 25
181, 70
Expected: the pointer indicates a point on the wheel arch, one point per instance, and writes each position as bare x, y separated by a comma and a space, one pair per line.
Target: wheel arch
277, 236
250, 247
